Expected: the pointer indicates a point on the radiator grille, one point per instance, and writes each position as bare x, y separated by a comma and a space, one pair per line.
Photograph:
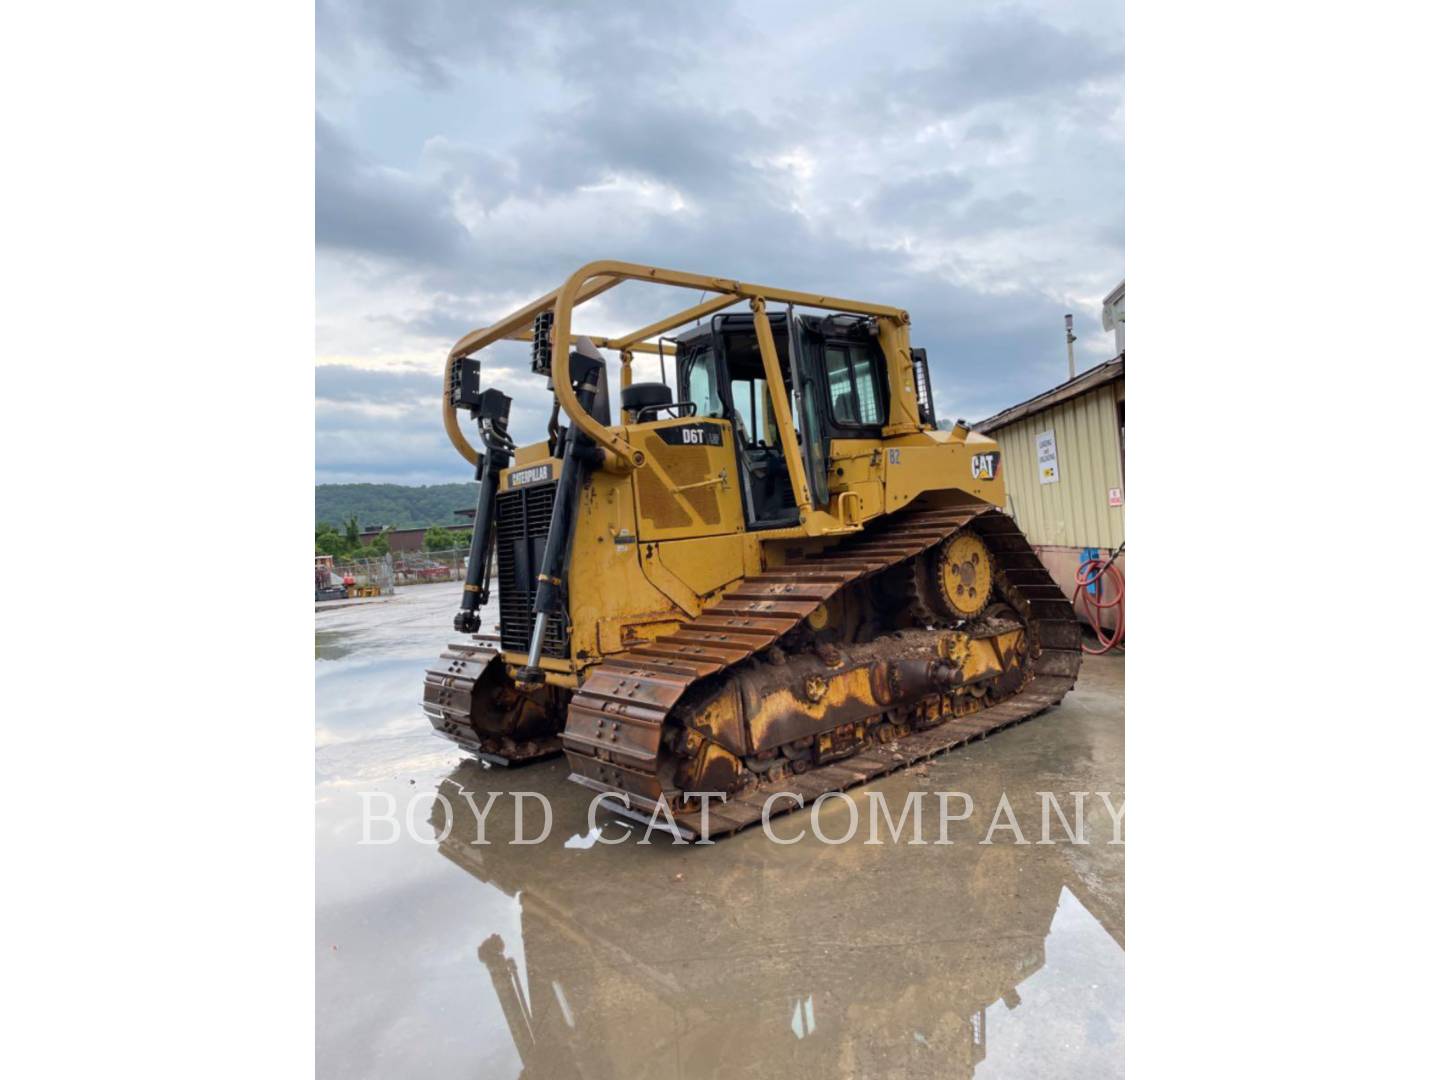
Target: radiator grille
522, 518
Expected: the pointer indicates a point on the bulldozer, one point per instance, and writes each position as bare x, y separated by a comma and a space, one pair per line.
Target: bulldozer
774, 575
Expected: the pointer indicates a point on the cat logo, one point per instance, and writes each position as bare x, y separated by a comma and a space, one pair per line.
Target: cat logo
985, 466
533, 475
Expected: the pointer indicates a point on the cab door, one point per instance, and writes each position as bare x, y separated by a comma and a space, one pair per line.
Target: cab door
814, 433
768, 498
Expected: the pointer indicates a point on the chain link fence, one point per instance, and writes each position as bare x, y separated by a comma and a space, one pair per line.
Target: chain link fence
406, 568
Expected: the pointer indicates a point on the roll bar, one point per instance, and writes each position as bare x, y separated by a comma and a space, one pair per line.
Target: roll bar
595, 278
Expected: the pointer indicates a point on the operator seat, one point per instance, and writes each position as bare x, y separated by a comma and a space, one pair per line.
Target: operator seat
645, 395
647, 400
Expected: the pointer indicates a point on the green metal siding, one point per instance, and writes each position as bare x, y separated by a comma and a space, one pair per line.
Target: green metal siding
1074, 512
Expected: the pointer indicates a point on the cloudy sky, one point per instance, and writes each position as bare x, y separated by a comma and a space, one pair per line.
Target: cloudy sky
963, 161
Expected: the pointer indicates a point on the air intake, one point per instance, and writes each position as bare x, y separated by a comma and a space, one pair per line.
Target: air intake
923, 397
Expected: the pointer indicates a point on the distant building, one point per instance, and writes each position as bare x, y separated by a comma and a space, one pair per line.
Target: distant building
1112, 316
1062, 453
404, 540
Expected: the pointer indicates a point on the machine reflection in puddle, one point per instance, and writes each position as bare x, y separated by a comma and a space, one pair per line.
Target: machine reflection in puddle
746, 957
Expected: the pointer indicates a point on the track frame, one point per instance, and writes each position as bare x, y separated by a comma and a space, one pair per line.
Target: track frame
615, 724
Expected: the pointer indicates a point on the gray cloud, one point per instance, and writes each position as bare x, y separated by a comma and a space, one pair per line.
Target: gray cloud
360, 206
385, 425
435, 43
341, 384
966, 168
699, 150
1003, 56
920, 198
428, 41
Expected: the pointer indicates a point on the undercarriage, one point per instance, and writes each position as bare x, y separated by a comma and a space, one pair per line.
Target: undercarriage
929, 629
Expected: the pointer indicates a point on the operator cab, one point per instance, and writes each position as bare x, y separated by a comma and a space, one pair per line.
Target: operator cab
841, 373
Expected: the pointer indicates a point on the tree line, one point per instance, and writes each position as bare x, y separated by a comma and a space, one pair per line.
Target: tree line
402, 505
345, 545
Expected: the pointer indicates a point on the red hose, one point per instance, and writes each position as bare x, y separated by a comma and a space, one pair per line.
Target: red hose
1094, 572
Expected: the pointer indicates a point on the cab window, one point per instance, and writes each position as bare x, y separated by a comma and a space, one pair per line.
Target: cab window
752, 410
698, 383
853, 377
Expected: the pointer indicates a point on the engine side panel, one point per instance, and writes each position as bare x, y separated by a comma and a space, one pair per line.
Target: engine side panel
697, 457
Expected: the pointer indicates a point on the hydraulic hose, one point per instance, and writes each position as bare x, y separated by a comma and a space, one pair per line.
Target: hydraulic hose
494, 436
577, 457
1093, 572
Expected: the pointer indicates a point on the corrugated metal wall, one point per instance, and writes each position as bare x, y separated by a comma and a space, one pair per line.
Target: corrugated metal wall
1074, 512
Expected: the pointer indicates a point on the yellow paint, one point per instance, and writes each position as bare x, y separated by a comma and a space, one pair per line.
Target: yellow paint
682, 491
706, 564
780, 404
965, 574
660, 530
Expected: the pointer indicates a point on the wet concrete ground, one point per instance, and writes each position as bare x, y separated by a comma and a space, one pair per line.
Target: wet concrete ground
746, 958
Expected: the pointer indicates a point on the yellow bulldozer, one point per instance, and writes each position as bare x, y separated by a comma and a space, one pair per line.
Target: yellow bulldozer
774, 575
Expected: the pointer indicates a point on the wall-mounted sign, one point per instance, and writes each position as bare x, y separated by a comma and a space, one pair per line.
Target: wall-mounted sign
1117, 497
1046, 457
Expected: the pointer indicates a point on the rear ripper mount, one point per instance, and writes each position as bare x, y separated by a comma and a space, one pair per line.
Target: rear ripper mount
748, 700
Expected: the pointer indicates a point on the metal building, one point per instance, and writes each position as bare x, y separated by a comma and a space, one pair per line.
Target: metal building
1062, 453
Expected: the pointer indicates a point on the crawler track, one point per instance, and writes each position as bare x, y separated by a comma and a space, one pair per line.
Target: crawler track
469, 680
615, 727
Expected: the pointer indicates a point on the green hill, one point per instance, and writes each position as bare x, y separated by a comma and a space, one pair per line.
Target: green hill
399, 505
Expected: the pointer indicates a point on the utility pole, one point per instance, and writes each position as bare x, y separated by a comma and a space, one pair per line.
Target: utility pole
1070, 342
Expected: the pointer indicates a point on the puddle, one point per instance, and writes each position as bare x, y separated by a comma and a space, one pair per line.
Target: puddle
332, 644
440, 956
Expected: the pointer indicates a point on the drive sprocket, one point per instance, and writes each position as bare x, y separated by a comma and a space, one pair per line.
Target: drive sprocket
958, 577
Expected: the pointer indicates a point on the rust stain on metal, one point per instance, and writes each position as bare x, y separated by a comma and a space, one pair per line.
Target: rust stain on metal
722, 704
